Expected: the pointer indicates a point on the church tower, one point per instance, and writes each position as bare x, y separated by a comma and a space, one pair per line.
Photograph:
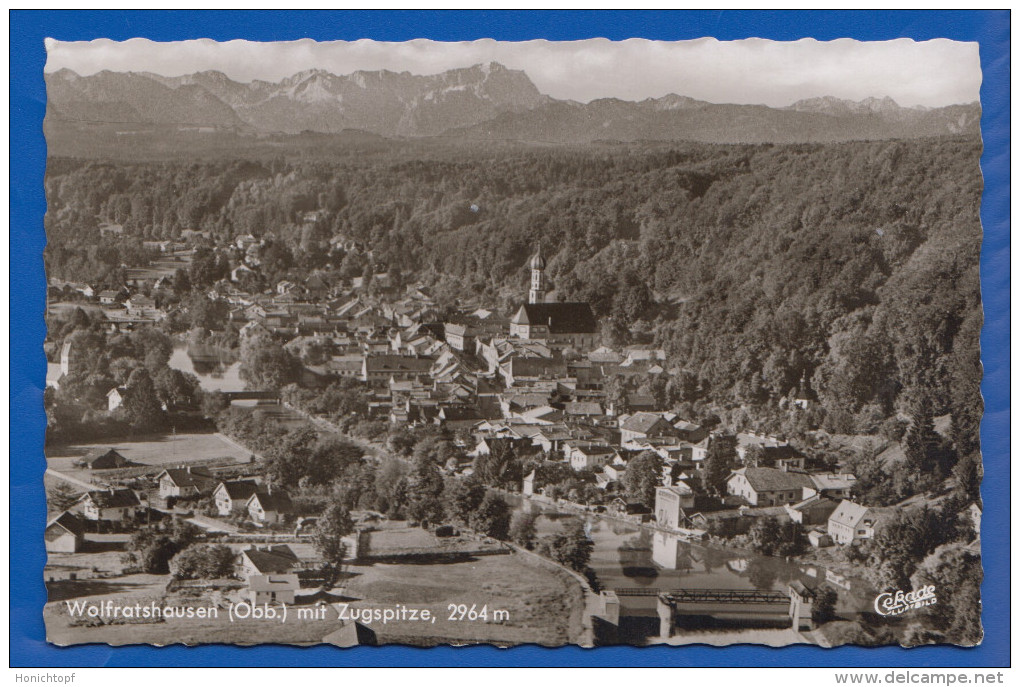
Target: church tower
538, 287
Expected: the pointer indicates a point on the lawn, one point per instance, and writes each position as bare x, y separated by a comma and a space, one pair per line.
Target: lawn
154, 450
545, 605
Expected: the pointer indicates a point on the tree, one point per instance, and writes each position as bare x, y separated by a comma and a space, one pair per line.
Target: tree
176, 389
183, 533
207, 314
770, 538
764, 536
424, 488
571, 546
492, 517
824, 608
141, 404
288, 460
152, 550
643, 475
967, 475
461, 498
214, 403
265, 365
202, 561
390, 485
956, 573
722, 455
522, 529
500, 467
754, 456
907, 537
152, 346
334, 524
86, 351
207, 267
61, 497
924, 448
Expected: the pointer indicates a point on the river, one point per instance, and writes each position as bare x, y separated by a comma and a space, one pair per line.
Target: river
217, 369
626, 555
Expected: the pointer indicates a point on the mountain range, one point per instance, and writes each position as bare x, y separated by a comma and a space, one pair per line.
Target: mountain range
483, 102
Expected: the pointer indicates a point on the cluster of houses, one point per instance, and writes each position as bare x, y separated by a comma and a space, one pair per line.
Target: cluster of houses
786, 489
248, 499
538, 381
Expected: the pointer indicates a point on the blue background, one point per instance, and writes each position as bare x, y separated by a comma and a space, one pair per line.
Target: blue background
28, 365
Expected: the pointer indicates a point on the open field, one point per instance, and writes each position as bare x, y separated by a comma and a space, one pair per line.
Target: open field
544, 605
154, 450
164, 266
64, 307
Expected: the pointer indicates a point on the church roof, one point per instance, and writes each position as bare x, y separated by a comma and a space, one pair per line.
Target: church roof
537, 262
561, 318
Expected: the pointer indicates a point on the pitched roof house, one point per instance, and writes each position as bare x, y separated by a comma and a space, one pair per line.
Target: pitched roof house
232, 497
64, 533
268, 589
851, 522
769, 486
104, 459
112, 504
187, 481
645, 426
272, 560
269, 507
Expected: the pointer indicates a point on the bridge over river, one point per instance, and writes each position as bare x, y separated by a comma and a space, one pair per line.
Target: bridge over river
741, 607
272, 396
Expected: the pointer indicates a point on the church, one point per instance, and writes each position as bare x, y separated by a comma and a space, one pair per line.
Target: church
559, 325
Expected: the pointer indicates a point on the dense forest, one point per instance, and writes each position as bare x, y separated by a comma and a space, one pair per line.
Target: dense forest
846, 272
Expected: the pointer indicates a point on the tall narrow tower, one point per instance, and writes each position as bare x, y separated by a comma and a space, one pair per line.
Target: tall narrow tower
537, 264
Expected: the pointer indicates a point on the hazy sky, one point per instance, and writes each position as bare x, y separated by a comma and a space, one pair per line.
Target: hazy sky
932, 73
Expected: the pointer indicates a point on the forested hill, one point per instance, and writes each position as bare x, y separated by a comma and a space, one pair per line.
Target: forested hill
848, 270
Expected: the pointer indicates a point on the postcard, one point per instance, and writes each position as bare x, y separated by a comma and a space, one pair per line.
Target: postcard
559, 343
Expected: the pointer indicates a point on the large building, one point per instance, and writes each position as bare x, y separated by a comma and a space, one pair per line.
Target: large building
670, 504
558, 325
769, 487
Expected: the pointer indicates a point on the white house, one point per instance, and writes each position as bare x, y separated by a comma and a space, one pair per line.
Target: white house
769, 486
851, 522
232, 497
263, 589
116, 505
115, 398
670, 503
584, 455
268, 507
178, 482
64, 534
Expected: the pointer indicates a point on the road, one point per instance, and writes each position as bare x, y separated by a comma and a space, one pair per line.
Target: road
213, 525
86, 486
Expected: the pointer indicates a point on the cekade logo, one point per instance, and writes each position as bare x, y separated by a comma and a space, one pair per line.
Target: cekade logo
895, 603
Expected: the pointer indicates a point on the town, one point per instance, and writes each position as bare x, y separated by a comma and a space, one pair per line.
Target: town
371, 427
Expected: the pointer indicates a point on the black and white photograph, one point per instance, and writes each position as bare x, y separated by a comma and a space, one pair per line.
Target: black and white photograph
554, 343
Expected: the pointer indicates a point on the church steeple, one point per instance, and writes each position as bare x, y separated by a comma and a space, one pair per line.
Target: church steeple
538, 287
